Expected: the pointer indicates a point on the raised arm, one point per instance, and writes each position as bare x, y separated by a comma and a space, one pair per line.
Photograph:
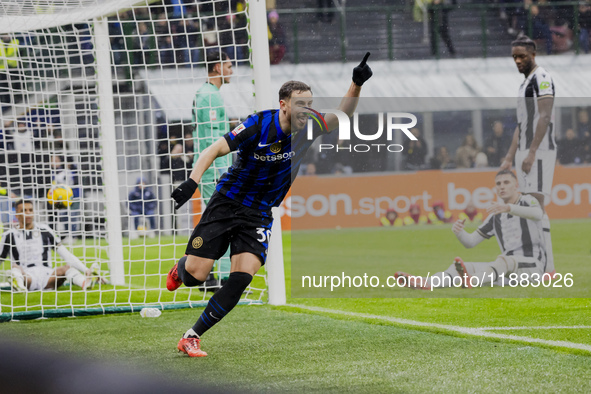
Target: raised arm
469, 240
361, 73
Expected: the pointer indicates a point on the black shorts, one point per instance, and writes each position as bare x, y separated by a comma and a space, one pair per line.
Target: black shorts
226, 222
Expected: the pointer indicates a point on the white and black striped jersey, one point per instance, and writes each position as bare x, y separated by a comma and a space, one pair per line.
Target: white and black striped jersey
537, 84
29, 248
516, 236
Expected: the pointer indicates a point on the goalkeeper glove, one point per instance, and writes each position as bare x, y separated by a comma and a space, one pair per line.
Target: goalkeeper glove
362, 72
184, 192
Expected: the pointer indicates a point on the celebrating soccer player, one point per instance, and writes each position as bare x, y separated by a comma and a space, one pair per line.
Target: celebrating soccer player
271, 145
534, 143
515, 224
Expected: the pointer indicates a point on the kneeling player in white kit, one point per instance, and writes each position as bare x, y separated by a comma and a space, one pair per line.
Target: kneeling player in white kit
515, 223
29, 249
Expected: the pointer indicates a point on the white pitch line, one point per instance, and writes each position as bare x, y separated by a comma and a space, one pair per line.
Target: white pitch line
478, 332
536, 328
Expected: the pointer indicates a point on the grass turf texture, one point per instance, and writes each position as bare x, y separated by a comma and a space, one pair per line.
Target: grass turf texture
264, 348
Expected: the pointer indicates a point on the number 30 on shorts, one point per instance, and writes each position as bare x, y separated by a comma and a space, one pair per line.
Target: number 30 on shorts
264, 233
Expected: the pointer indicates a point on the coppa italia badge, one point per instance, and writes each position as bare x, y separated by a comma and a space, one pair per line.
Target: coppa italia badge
392, 119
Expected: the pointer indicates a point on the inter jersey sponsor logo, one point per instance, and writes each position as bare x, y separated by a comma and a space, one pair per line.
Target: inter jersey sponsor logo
277, 157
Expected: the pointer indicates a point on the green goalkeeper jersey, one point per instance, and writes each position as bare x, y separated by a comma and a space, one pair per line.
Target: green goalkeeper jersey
209, 124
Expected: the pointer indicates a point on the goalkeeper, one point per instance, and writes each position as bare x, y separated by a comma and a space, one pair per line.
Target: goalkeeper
516, 223
29, 245
271, 145
210, 123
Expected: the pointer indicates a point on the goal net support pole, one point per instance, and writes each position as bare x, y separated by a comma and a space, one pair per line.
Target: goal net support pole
109, 150
264, 100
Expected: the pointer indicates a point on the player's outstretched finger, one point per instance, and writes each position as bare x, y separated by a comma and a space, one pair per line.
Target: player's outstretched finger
364, 61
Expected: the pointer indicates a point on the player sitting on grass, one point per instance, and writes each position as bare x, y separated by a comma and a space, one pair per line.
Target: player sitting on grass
29, 247
516, 224
271, 145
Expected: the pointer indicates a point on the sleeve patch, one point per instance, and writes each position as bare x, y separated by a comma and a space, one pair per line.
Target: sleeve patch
213, 114
238, 129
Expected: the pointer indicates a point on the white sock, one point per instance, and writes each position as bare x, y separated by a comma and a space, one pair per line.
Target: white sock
548, 244
76, 277
191, 334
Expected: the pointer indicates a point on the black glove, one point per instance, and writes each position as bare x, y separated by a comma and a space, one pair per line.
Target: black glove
362, 72
184, 192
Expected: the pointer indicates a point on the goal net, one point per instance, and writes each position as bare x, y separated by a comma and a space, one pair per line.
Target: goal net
97, 96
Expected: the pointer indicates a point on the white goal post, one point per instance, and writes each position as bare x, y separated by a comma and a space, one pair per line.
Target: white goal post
98, 95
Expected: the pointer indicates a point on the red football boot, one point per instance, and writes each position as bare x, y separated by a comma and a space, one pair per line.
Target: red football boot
191, 347
173, 281
463, 272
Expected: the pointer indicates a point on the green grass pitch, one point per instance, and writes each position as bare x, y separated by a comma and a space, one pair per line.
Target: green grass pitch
365, 344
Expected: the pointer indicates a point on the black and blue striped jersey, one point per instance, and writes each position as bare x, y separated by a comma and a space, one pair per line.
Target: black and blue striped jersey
267, 163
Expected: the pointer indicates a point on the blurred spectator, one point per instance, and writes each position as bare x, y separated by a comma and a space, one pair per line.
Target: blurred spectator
146, 44
414, 216
584, 25
142, 202
327, 13
584, 127
391, 219
117, 41
180, 42
164, 156
440, 15
165, 50
480, 161
515, 16
497, 145
466, 153
189, 146
415, 151
442, 160
341, 169
471, 214
180, 163
570, 150
23, 138
178, 9
540, 27
439, 215
310, 169
8, 61
276, 38
210, 35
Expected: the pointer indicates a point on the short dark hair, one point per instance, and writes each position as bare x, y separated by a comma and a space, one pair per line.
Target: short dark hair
292, 86
21, 202
524, 41
506, 172
215, 57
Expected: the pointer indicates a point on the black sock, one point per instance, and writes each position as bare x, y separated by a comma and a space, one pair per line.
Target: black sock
222, 302
186, 277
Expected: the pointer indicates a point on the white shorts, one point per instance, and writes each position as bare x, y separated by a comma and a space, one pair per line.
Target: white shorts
527, 265
539, 179
39, 277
